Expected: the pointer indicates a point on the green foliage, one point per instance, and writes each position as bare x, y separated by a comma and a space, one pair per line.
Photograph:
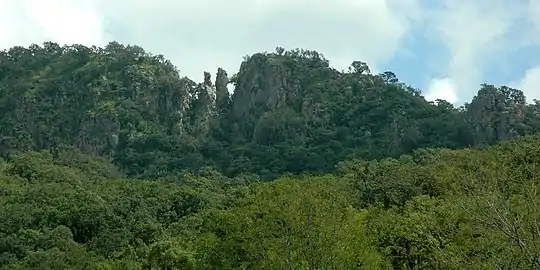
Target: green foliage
291, 224
92, 216
112, 160
435, 209
290, 112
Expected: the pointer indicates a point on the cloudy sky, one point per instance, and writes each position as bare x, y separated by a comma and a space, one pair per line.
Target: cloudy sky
444, 47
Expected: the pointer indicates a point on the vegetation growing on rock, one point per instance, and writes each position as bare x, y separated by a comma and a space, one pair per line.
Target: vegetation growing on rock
112, 160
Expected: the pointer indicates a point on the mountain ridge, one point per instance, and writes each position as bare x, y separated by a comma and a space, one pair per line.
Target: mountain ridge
290, 111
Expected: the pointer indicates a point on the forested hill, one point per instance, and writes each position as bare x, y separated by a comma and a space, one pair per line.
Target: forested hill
367, 173
290, 112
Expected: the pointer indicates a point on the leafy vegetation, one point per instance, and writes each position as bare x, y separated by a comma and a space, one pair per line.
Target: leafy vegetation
112, 160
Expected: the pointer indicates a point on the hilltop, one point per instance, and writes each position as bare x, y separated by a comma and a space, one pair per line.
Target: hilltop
290, 112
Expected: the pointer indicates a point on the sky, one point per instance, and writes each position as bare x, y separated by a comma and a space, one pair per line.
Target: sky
446, 48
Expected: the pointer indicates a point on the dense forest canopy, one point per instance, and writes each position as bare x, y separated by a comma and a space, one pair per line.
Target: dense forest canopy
112, 160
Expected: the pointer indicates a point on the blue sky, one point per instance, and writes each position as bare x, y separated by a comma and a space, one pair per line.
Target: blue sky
447, 48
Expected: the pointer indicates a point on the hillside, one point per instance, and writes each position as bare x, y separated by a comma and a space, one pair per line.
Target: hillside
110, 159
433, 209
290, 112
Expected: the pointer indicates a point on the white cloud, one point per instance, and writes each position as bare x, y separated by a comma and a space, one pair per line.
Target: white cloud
444, 89
474, 32
65, 21
534, 16
204, 34
529, 84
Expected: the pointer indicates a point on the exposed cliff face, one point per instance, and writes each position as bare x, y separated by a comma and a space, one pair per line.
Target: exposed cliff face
204, 107
496, 114
260, 86
182, 100
93, 98
277, 86
212, 100
223, 98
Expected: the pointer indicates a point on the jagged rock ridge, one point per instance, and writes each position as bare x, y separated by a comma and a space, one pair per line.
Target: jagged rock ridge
290, 111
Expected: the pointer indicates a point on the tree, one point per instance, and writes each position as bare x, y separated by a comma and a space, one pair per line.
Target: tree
389, 77
359, 67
